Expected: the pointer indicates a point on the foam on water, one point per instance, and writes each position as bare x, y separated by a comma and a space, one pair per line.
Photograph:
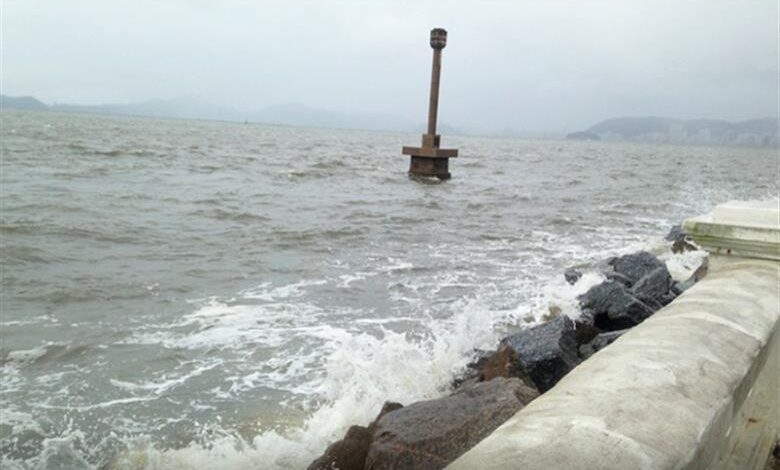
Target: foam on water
361, 372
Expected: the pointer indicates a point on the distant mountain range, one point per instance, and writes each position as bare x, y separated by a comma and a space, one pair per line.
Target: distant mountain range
193, 108
758, 132
21, 102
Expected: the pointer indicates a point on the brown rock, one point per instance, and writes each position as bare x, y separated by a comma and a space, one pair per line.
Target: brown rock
347, 454
431, 434
350, 452
504, 363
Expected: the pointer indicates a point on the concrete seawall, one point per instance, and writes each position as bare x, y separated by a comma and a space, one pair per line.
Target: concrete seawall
693, 387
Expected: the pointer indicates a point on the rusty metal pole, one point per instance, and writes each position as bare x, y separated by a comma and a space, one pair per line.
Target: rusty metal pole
433, 105
428, 159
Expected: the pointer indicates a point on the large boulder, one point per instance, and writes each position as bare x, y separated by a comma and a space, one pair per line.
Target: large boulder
431, 434
636, 265
614, 307
350, 452
546, 352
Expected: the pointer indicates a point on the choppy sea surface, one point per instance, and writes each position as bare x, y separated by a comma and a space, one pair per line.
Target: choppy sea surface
186, 294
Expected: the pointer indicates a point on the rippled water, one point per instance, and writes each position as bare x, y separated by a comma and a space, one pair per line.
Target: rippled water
187, 294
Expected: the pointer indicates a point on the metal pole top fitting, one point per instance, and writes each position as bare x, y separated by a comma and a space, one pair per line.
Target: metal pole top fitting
438, 38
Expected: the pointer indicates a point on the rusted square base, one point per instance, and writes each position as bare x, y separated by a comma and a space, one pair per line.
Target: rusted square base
436, 167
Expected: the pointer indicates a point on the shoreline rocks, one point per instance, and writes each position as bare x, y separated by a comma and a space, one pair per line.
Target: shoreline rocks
430, 434
351, 451
546, 352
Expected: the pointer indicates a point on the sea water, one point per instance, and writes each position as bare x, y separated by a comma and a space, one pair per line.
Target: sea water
187, 294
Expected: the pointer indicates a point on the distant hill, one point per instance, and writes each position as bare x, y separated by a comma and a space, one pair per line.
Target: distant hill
582, 136
21, 102
292, 114
760, 132
183, 107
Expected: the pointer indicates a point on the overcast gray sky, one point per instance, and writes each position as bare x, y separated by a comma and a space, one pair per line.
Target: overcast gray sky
529, 65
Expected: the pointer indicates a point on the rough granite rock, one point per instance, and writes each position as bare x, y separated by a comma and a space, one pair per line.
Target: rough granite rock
614, 306
546, 352
431, 434
636, 265
600, 342
350, 452
653, 286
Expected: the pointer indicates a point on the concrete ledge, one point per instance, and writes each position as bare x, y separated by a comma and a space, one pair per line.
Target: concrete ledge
693, 387
739, 228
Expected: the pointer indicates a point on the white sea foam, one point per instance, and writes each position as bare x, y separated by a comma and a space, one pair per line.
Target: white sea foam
682, 265
361, 371
27, 355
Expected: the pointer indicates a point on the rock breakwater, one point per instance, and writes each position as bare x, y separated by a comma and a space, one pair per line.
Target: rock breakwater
431, 434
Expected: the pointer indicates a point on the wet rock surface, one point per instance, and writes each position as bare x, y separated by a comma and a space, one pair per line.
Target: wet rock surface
636, 265
431, 434
639, 285
653, 286
613, 306
585, 327
350, 452
546, 352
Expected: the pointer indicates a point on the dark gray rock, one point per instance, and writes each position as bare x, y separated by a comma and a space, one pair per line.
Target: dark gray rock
667, 298
572, 275
546, 352
617, 277
653, 286
636, 265
585, 327
614, 306
431, 434
600, 342
676, 233
350, 452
